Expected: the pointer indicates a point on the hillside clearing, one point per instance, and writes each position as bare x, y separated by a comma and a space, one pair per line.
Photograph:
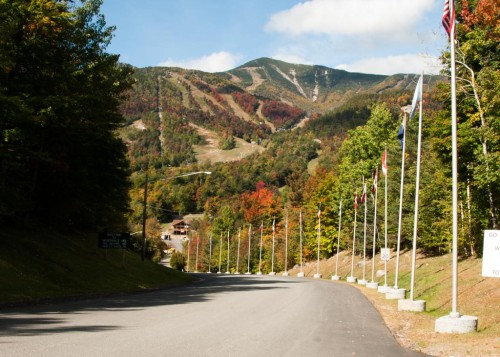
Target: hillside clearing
211, 153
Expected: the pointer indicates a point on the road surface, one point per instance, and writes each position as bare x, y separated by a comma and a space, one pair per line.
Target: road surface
222, 315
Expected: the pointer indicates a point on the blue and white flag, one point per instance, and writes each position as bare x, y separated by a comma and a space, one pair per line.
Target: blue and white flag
417, 96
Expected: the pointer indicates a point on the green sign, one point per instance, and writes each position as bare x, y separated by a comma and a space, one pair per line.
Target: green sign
113, 240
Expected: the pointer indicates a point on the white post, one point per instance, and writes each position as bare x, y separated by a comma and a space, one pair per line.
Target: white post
373, 284
260, 254
400, 219
363, 281
301, 273
238, 257
227, 271
187, 267
210, 254
318, 275
197, 250
411, 304
454, 323
249, 242
220, 255
272, 256
352, 279
286, 245
336, 276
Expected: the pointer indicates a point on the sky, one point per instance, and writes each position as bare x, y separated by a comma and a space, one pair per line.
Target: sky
367, 36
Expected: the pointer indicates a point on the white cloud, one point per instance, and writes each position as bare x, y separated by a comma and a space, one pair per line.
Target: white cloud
215, 62
409, 63
350, 17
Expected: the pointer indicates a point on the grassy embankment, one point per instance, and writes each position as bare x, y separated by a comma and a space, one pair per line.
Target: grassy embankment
36, 265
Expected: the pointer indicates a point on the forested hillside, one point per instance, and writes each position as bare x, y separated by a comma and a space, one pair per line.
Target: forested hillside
81, 134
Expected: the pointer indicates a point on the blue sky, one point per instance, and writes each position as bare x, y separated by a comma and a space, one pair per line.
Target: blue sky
370, 36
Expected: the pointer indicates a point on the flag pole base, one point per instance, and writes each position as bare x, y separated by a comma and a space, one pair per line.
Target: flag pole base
362, 282
227, 272
248, 273
383, 289
460, 324
300, 275
317, 276
395, 294
372, 285
236, 273
335, 277
259, 273
272, 273
209, 272
285, 273
351, 279
411, 305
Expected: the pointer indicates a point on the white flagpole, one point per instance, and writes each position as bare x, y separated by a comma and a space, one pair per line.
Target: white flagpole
400, 202
363, 281
260, 253
249, 241
197, 250
238, 257
385, 217
336, 276
210, 253
301, 273
318, 275
286, 245
352, 279
454, 323
454, 165
272, 256
227, 271
417, 188
220, 254
374, 225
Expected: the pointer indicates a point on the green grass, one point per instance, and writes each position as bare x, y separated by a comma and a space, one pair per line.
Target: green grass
37, 265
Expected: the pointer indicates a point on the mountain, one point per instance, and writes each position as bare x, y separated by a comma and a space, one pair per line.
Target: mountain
251, 102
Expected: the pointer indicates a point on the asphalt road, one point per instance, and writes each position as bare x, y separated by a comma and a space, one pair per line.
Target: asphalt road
220, 316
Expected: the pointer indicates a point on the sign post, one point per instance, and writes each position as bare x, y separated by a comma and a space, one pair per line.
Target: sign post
115, 240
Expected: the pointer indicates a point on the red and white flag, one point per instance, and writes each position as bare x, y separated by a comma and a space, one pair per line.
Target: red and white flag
356, 198
384, 163
274, 225
449, 17
363, 196
319, 212
375, 180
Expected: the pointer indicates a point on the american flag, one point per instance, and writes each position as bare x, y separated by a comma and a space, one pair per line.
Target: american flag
449, 17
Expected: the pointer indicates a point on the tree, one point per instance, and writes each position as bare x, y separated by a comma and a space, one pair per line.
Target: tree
60, 160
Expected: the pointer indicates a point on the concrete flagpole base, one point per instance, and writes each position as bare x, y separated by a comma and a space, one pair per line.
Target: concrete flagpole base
272, 273
285, 273
372, 285
395, 294
383, 289
300, 275
362, 282
248, 273
317, 276
236, 273
351, 279
459, 324
259, 273
227, 272
411, 305
335, 277
219, 272
209, 272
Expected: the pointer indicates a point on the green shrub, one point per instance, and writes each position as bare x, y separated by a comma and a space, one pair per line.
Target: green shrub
177, 261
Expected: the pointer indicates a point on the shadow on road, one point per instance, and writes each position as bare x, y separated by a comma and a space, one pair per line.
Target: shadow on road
38, 319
